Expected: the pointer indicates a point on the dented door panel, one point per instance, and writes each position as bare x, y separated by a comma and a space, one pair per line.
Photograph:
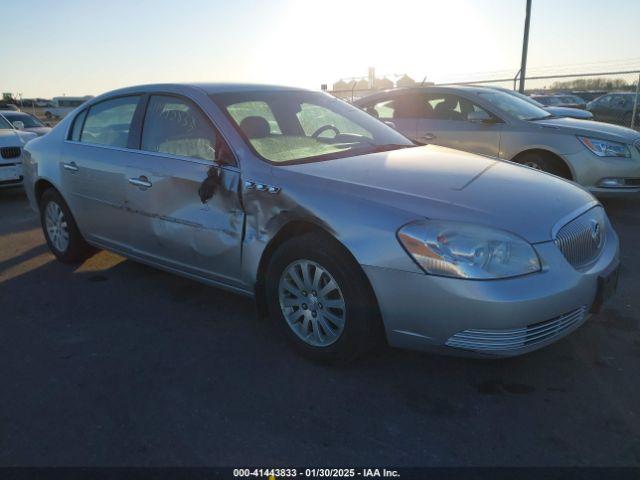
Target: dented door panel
174, 228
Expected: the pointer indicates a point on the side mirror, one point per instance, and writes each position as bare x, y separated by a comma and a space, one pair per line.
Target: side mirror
479, 117
390, 124
18, 125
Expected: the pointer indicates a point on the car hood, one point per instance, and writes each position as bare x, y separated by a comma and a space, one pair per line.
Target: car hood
604, 131
570, 112
438, 182
14, 138
40, 131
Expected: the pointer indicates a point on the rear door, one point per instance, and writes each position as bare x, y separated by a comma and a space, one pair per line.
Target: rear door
94, 169
445, 123
180, 149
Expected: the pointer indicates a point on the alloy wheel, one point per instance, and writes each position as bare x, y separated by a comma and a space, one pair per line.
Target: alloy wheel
312, 303
56, 226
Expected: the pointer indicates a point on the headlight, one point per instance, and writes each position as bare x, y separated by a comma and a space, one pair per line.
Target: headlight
465, 250
605, 148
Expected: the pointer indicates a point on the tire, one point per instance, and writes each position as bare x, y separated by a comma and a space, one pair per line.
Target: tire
539, 161
361, 327
63, 237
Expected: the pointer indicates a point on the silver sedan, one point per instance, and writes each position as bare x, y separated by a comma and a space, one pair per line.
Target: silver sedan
343, 231
603, 158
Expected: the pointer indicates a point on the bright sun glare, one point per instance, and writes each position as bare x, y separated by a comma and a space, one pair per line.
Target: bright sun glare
342, 39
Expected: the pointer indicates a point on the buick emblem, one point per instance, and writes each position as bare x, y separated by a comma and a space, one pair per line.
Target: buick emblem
596, 232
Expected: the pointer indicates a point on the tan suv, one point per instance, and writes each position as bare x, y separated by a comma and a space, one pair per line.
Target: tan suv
602, 157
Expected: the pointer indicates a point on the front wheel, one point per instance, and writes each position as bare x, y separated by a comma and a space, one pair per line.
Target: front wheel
546, 163
60, 229
320, 298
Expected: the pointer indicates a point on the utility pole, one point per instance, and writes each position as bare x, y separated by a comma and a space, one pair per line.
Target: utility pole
525, 47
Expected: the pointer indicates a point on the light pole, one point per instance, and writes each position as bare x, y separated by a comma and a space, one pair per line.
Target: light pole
525, 46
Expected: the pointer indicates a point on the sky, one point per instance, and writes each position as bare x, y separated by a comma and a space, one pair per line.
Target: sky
86, 47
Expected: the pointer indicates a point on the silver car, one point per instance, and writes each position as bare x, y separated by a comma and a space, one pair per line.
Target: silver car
604, 158
343, 230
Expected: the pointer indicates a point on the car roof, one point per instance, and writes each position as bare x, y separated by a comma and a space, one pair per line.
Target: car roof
207, 88
428, 89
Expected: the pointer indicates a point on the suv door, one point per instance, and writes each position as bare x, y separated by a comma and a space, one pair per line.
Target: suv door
175, 226
94, 169
445, 123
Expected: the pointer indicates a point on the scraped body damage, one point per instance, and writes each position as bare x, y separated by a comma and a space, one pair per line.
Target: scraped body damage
176, 229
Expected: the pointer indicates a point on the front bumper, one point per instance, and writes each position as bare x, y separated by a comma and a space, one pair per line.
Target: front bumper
589, 170
427, 312
11, 173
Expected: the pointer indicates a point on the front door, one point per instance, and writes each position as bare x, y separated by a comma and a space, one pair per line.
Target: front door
445, 123
179, 151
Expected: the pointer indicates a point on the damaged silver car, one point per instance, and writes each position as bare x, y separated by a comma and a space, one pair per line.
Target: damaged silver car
344, 231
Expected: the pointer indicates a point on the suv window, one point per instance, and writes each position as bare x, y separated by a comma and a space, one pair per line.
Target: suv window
177, 126
109, 122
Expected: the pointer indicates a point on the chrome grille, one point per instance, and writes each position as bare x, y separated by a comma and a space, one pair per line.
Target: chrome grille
516, 338
10, 152
581, 240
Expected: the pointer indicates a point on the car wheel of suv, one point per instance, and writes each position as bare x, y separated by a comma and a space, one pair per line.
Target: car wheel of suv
60, 229
321, 299
543, 162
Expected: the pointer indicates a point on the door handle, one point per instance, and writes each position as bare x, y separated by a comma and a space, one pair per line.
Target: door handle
142, 182
428, 136
72, 167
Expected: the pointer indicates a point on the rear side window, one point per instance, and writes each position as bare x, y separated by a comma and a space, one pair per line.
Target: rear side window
109, 122
177, 126
77, 126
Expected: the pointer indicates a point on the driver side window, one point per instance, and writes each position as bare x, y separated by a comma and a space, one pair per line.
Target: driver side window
313, 117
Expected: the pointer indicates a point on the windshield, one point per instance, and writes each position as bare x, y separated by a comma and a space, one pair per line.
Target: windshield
28, 120
514, 106
524, 97
4, 124
293, 126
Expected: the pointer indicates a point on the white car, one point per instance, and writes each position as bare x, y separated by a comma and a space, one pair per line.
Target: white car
63, 105
11, 143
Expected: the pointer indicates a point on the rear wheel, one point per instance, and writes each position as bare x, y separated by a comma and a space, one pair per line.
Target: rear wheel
321, 300
546, 163
60, 229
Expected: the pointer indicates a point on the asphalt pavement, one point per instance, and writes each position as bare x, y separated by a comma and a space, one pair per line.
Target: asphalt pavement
114, 363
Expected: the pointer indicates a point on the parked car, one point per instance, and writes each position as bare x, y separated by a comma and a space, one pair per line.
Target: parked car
63, 105
8, 106
343, 229
553, 110
25, 121
615, 108
604, 158
570, 101
11, 147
